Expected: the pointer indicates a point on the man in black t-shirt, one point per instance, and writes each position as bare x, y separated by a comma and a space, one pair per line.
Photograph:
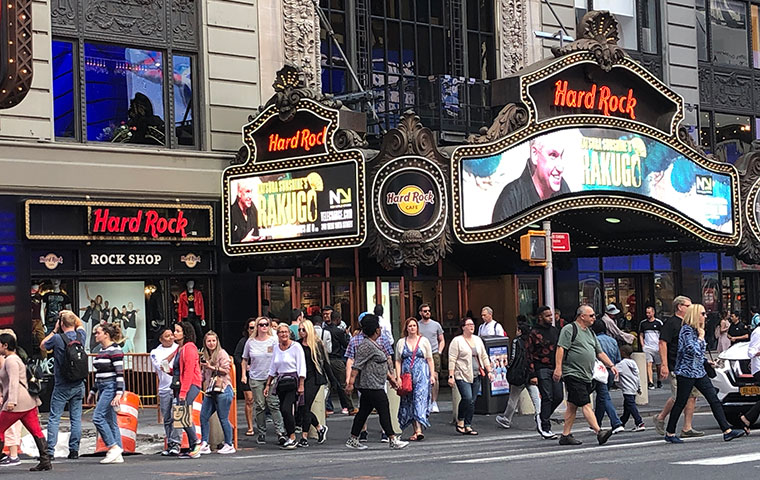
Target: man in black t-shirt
669, 349
738, 331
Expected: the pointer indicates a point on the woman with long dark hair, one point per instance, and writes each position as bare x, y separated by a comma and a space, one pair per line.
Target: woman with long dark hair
187, 370
17, 403
109, 385
215, 363
288, 367
414, 355
317, 371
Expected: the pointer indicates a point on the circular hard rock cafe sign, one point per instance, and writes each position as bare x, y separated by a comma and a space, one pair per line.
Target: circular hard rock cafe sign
409, 195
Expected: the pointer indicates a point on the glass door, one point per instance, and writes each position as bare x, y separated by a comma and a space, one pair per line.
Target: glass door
278, 293
734, 294
529, 294
630, 293
390, 300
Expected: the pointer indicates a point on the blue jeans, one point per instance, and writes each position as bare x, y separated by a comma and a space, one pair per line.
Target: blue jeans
62, 395
469, 393
220, 404
166, 401
630, 408
604, 405
104, 416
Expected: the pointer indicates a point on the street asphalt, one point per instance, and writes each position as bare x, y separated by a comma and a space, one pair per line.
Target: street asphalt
495, 453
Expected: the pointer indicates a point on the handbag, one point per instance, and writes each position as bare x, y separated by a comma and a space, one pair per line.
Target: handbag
406, 378
182, 413
214, 386
601, 374
285, 384
709, 369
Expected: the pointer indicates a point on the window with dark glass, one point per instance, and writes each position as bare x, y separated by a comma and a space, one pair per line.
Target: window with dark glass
334, 73
637, 21
64, 100
702, 31
705, 130
728, 32
733, 136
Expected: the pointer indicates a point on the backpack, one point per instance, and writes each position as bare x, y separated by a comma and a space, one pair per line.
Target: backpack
517, 373
34, 379
75, 363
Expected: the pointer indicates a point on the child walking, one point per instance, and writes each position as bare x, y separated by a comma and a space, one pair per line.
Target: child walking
630, 385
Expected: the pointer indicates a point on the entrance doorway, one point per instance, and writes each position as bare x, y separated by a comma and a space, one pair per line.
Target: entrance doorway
734, 292
631, 293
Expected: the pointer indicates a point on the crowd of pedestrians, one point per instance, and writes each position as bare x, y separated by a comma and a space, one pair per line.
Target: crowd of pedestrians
285, 366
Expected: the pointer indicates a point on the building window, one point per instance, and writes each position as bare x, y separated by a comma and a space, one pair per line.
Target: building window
702, 31
728, 25
637, 21
64, 100
481, 58
733, 136
334, 73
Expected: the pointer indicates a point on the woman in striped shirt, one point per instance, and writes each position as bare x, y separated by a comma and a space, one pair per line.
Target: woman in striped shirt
109, 383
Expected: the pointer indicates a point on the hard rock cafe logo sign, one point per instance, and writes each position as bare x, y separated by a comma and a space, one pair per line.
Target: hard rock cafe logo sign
191, 260
51, 261
410, 200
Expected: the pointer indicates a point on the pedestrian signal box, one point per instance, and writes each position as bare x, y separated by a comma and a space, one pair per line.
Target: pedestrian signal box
533, 248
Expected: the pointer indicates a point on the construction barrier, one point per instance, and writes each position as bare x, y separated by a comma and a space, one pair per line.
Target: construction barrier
139, 378
126, 418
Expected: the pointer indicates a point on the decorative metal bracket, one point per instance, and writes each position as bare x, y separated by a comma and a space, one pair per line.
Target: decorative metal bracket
749, 184
598, 33
290, 87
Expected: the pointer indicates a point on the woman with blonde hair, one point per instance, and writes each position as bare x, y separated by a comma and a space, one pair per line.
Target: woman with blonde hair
414, 355
318, 370
690, 373
215, 368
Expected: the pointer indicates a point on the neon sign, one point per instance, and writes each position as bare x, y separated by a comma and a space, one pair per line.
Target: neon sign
146, 221
605, 102
304, 139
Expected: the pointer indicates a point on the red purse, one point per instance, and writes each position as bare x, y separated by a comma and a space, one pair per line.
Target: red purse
406, 378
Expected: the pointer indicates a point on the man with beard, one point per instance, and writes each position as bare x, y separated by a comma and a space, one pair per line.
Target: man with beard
243, 215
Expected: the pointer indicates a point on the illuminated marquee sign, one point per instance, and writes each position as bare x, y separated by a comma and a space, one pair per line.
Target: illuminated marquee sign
296, 191
95, 220
15, 51
596, 134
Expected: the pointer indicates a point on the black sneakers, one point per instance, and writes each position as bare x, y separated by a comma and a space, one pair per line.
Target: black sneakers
569, 440
603, 436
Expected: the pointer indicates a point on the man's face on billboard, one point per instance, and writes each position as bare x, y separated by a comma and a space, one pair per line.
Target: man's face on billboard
549, 165
245, 194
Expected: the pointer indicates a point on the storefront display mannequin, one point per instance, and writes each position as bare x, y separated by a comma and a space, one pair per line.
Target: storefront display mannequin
52, 304
38, 328
190, 308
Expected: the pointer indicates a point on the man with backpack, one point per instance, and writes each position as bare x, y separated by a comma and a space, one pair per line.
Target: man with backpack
517, 376
67, 342
577, 350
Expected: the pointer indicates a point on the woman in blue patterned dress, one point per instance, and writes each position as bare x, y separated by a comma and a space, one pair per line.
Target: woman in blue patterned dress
415, 407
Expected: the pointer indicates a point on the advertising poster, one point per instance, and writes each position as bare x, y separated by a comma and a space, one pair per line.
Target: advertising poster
304, 203
499, 360
580, 160
119, 302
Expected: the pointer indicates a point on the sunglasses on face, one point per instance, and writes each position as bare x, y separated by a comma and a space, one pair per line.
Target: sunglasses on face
251, 328
425, 311
302, 330
263, 324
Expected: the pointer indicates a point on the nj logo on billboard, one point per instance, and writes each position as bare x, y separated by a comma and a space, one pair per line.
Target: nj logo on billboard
411, 200
340, 196
704, 184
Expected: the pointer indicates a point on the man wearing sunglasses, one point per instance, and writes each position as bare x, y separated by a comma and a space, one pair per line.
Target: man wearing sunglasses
432, 330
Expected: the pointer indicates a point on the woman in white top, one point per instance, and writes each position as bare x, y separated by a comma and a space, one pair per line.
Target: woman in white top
289, 368
468, 361
256, 358
414, 355
753, 350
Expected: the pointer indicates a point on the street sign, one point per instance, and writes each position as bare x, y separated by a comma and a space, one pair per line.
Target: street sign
533, 248
560, 242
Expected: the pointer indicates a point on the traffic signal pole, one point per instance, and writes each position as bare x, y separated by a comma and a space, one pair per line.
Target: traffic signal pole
549, 269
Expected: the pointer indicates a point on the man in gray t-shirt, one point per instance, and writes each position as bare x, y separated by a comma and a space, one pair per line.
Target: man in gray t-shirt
432, 330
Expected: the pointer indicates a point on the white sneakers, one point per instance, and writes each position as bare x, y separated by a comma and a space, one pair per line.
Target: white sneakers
205, 449
397, 444
226, 449
434, 408
618, 429
114, 455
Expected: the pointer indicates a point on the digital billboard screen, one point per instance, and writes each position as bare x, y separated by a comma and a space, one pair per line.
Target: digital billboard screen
302, 203
579, 161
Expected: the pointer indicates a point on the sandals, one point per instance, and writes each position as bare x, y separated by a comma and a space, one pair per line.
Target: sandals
417, 437
420, 436
249, 433
469, 431
460, 429
745, 424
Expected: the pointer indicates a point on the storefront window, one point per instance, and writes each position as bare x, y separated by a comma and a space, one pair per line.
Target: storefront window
590, 291
708, 261
734, 294
663, 261
49, 297
733, 136
728, 27
391, 302
627, 263
710, 291
278, 294
528, 298
588, 264
727, 262
664, 293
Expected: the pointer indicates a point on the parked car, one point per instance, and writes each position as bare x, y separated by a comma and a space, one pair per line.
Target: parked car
737, 388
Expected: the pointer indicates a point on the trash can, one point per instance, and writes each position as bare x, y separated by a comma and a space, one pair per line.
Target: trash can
494, 394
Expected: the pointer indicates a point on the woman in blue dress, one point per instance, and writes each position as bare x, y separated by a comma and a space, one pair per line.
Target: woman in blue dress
415, 407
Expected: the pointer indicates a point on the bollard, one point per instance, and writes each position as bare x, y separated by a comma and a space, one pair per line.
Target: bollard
126, 417
641, 361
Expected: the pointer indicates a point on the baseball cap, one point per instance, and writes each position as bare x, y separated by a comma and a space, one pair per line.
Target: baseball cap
611, 308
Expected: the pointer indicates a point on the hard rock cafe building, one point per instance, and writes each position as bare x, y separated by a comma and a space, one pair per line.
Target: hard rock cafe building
588, 140
311, 215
